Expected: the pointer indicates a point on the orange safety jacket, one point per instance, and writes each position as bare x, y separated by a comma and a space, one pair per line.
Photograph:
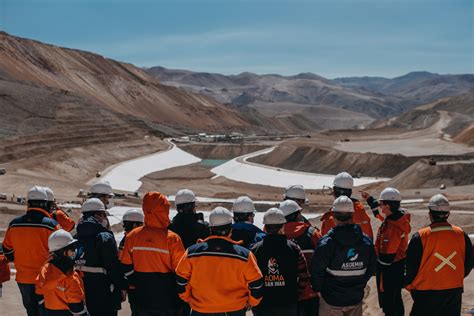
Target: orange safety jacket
61, 291
217, 275
151, 254
63, 219
442, 261
359, 217
392, 237
26, 243
4, 268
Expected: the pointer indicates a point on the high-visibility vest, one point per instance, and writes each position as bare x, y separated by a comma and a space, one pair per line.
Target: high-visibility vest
442, 263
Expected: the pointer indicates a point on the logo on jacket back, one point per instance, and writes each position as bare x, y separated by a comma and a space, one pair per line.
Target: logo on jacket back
352, 255
273, 277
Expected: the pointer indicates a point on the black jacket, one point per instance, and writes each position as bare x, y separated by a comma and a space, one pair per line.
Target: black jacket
284, 270
190, 228
98, 250
343, 262
249, 234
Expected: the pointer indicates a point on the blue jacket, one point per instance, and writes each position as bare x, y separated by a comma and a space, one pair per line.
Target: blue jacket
343, 262
98, 252
248, 233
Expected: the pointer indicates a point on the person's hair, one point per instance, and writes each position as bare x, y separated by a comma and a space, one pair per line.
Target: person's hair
299, 201
272, 229
92, 213
340, 191
343, 216
393, 205
38, 204
242, 217
50, 206
223, 230
439, 216
293, 217
186, 208
129, 225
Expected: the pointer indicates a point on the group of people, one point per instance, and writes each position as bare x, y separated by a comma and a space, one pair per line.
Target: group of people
227, 266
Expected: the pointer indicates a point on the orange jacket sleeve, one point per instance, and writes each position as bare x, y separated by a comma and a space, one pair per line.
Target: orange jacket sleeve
75, 289
126, 254
177, 249
64, 220
183, 275
7, 246
254, 278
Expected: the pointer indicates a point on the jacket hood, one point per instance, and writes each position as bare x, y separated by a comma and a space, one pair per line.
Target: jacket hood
89, 226
346, 235
401, 219
246, 226
295, 229
156, 208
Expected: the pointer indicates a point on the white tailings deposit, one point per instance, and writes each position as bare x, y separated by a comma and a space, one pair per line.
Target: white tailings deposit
126, 175
240, 169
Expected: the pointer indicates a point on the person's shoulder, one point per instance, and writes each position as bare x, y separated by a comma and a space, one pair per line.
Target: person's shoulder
49, 222
326, 240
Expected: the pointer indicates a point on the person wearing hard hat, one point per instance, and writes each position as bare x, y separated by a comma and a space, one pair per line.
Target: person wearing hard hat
188, 224
217, 276
104, 192
26, 244
342, 264
297, 193
66, 222
150, 257
391, 245
97, 258
439, 257
283, 266
60, 288
306, 237
343, 185
132, 218
243, 228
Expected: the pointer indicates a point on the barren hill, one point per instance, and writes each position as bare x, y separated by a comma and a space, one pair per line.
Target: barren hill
361, 99
118, 86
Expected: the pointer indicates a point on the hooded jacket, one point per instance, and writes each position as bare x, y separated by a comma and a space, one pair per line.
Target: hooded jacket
63, 291
342, 264
248, 233
360, 217
26, 243
190, 228
97, 258
151, 255
306, 237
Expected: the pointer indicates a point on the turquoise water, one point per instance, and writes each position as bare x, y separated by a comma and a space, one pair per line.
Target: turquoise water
211, 163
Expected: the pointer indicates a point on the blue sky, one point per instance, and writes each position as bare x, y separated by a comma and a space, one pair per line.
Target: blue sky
332, 38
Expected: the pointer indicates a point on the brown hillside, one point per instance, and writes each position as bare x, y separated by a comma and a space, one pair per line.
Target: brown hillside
466, 136
119, 86
311, 157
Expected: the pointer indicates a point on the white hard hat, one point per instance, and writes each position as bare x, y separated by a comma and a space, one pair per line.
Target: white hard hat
343, 180
37, 193
220, 216
295, 191
102, 187
184, 196
390, 194
49, 193
243, 204
274, 216
93, 205
343, 204
60, 239
289, 207
134, 215
439, 203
